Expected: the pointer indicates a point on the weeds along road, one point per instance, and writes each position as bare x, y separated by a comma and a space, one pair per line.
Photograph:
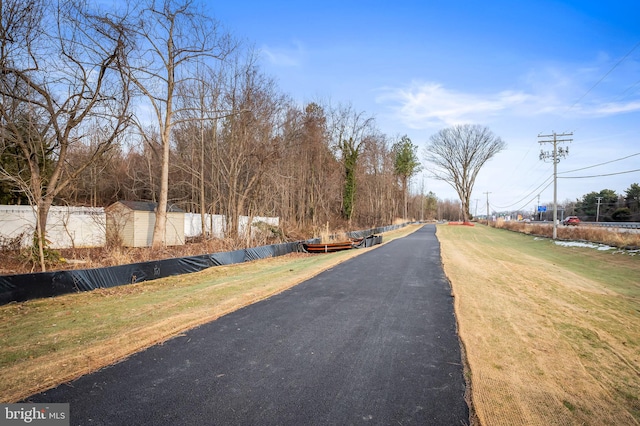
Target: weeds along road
372, 340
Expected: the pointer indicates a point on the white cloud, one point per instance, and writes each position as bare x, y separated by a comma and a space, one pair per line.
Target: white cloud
431, 104
617, 108
423, 105
284, 56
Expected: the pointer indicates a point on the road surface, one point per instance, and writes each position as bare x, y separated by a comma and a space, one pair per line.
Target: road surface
371, 341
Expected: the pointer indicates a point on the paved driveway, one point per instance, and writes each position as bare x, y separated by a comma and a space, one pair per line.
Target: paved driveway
371, 341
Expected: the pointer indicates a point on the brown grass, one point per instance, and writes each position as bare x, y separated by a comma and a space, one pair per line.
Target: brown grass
615, 237
327, 237
18, 261
551, 333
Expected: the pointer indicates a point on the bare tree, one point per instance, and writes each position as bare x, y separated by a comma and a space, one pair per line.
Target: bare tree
306, 178
60, 85
173, 37
319, 179
449, 210
140, 175
196, 137
249, 137
350, 129
377, 188
458, 153
100, 183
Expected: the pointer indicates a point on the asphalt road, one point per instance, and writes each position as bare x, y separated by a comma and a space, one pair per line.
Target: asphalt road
371, 341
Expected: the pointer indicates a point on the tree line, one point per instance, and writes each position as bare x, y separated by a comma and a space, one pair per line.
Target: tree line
156, 101
607, 205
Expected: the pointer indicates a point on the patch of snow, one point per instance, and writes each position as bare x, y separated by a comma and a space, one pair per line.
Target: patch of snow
583, 244
629, 252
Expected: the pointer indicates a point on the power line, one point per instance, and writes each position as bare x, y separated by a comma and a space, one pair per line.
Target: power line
628, 89
594, 86
529, 200
526, 191
569, 177
603, 77
601, 164
603, 175
561, 152
529, 194
562, 177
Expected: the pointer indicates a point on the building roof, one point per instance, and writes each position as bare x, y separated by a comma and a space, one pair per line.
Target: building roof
148, 206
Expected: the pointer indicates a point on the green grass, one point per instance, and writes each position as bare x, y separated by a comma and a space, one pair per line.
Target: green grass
620, 271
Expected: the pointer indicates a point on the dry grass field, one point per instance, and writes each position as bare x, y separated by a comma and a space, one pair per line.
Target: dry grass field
552, 334
615, 237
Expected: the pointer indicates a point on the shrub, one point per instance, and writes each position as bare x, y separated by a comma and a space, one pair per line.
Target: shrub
621, 214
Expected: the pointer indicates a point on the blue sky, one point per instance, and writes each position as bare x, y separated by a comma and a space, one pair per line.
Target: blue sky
521, 68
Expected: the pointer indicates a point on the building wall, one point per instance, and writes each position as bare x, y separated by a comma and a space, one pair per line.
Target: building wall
121, 224
143, 223
174, 235
135, 227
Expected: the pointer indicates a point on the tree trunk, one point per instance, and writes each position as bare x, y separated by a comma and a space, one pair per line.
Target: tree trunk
404, 193
465, 208
43, 206
349, 193
159, 230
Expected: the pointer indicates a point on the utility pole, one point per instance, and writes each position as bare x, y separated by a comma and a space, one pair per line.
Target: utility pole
555, 157
598, 208
422, 200
487, 193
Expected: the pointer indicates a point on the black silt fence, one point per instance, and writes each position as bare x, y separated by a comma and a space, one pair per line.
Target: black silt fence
22, 287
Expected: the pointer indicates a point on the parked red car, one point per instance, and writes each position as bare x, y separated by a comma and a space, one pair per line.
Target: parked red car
571, 220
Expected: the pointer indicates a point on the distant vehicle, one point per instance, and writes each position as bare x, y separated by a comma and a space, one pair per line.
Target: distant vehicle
571, 220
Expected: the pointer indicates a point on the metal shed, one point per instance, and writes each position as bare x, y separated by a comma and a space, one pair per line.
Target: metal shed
133, 222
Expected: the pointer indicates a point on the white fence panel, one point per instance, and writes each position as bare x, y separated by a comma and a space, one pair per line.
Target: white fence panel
16, 221
67, 227
215, 224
